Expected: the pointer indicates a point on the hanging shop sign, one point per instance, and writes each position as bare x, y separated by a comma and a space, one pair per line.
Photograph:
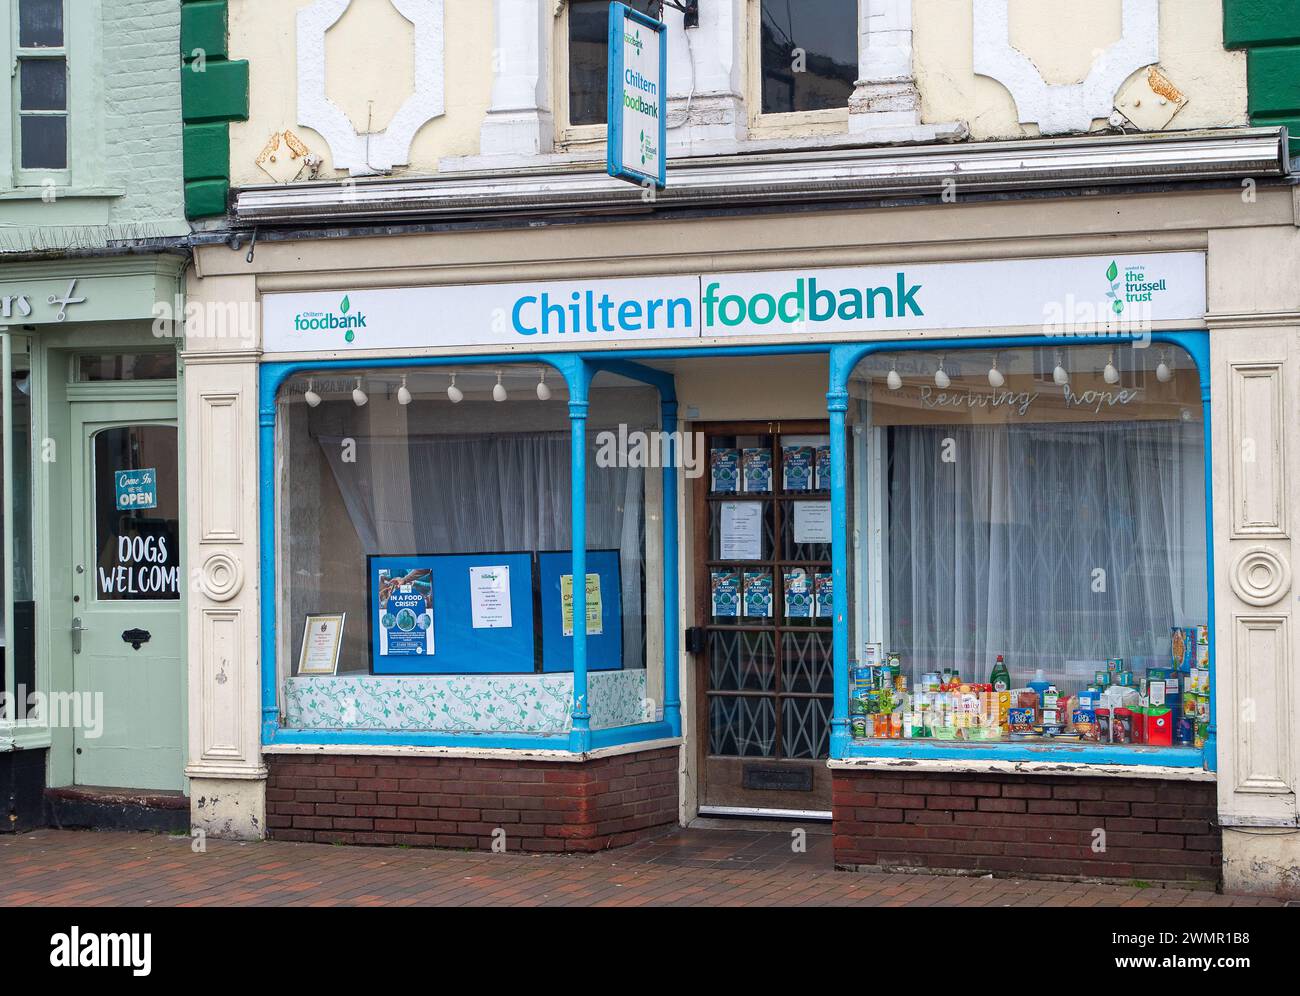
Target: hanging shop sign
1084, 295
638, 70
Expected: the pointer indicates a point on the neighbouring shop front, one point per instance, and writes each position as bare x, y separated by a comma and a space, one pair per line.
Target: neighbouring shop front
93, 687
871, 543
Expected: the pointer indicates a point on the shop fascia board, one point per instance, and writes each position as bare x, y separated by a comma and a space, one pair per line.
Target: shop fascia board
985, 167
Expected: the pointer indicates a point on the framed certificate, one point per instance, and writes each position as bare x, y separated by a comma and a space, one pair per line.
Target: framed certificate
322, 636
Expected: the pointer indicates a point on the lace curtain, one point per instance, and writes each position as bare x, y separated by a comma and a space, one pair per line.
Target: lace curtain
1056, 545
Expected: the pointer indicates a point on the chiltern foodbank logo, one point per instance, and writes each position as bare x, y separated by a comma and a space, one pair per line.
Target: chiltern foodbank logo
634, 40
328, 321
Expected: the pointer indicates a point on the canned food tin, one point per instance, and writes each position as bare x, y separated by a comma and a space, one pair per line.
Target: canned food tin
858, 727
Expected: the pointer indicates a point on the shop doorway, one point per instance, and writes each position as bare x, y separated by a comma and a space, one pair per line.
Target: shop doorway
764, 681
126, 620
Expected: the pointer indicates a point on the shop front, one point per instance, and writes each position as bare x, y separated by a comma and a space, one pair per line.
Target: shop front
860, 543
93, 693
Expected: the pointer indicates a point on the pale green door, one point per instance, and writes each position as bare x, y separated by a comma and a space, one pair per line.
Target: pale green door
128, 659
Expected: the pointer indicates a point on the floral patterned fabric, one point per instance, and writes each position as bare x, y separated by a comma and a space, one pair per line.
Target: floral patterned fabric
531, 703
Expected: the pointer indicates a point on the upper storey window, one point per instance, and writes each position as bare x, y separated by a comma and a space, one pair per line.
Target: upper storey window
42, 81
587, 62
807, 54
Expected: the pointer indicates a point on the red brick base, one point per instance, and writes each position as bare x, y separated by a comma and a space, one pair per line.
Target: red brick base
461, 802
1028, 826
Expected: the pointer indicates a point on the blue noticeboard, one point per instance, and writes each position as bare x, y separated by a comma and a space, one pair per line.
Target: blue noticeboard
604, 649
637, 110
136, 488
455, 645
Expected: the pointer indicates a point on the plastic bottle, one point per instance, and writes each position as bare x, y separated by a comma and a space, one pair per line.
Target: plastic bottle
1040, 684
1000, 679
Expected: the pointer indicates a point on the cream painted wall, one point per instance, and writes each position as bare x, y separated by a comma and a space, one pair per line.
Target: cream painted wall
1061, 43
364, 53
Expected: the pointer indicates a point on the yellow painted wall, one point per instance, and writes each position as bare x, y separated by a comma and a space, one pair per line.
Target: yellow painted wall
370, 70
1060, 37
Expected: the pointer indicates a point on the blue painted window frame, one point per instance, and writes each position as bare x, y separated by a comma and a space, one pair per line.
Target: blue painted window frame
578, 369
578, 372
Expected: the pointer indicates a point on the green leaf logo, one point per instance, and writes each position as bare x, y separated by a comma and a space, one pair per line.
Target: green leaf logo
347, 305
1113, 271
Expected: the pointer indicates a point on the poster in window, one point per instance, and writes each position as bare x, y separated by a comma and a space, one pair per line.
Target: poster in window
403, 610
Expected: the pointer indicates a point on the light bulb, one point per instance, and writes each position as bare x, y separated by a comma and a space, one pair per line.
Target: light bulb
941, 378
454, 394
403, 393
1110, 375
1059, 375
499, 391
359, 397
995, 375
1163, 373
893, 380
543, 392
310, 396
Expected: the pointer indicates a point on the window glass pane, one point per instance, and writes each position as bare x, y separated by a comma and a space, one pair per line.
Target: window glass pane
809, 54
126, 366
137, 517
1057, 527
43, 84
45, 142
589, 58
21, 644
439, 490
40, 23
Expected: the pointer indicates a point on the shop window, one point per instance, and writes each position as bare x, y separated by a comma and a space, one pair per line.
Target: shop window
1042, 548
584, 84
806, 54
42, 87
18, 612
425, 521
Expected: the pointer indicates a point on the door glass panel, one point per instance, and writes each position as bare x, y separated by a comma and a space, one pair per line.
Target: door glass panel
769, 676
137, 516
126, 366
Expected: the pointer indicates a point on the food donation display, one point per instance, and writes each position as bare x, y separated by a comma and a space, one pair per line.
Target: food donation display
1164, 707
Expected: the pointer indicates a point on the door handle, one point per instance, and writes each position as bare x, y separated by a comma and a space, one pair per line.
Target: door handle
77, 630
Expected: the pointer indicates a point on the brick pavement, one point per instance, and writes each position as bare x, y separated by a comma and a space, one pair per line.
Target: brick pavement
693, 867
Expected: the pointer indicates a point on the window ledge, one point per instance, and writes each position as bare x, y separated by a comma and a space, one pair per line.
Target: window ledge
990, 765
561, 754
60, 193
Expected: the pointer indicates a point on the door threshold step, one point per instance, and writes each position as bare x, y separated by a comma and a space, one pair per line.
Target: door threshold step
109, 808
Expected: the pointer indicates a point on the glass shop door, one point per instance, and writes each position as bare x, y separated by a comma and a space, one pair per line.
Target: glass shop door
762, 576
18, 620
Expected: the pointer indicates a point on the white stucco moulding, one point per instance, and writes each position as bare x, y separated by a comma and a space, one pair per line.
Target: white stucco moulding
1064, 107
358, 153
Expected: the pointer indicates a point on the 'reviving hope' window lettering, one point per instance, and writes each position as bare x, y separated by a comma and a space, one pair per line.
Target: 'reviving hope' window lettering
1043, 548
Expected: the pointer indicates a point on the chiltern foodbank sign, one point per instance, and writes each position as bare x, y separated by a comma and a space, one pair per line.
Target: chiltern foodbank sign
1074, 295
638, 71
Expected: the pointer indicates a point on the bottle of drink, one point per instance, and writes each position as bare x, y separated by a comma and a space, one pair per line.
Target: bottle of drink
1000, 679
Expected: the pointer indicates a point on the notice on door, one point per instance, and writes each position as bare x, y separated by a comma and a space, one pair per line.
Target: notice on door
136, 488
145, 567
741, 535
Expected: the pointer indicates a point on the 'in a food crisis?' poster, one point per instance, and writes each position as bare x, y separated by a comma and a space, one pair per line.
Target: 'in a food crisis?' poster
405, 612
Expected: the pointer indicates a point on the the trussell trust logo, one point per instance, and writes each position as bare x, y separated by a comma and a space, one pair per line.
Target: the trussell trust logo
633, 38
1132, 285
90, 949
331, 321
